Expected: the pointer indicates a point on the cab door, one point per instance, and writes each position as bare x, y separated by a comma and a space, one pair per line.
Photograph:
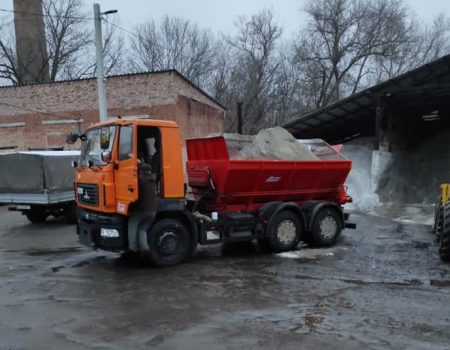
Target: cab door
126, 169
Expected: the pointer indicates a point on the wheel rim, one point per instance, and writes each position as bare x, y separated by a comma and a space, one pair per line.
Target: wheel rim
328, 227
169, 243
286, 231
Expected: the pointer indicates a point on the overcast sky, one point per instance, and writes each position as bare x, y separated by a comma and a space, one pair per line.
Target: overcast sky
219, 15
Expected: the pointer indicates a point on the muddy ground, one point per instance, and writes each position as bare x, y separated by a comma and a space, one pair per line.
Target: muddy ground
381, 287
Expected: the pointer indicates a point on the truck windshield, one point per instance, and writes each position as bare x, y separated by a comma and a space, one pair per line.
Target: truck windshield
97, 141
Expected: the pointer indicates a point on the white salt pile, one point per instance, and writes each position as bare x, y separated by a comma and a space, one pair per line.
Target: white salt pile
276, 144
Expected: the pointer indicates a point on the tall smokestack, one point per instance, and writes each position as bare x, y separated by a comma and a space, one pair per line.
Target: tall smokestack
31, 46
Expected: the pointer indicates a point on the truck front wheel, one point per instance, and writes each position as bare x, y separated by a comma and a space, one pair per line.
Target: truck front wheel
283, 232
169, 242
37, 215
327, 227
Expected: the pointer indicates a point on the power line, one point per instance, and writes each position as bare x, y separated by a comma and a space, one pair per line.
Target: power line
133, 33
34, 14
122, 28
34, 110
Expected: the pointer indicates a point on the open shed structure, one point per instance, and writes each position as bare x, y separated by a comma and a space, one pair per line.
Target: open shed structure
398, 111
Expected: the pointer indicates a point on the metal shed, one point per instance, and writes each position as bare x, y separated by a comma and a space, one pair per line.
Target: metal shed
418, 96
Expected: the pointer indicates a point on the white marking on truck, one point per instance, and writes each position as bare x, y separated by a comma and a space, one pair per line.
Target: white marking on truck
120, 207
273, 179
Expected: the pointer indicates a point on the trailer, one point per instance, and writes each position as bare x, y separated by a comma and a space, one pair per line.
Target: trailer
132, 196
39, 184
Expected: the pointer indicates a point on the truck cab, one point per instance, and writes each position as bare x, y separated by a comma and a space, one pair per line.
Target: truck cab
128, 170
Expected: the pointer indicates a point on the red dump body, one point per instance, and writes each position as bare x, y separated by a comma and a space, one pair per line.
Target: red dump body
246, 185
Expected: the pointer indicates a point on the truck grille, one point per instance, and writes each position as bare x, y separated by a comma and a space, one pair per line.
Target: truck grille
89, 194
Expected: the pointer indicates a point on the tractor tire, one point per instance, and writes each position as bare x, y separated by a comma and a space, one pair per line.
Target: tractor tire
37, 215
327, 228
438, 218
169, 242
444, 239
283, 232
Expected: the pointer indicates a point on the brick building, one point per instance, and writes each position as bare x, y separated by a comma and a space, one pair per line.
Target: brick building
39, 116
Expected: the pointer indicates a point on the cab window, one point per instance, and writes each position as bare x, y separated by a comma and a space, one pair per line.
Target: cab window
126, 143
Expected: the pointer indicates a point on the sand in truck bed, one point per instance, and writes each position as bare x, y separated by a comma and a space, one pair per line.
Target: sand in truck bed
275, 144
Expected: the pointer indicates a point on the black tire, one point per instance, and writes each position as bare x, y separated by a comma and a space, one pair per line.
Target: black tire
438, 217
169, 242
283, 232
70, 213
327, 228
444, 239
37, 215
264, 245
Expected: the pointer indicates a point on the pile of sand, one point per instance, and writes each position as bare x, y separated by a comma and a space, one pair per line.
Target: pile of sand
359, 183
275, 144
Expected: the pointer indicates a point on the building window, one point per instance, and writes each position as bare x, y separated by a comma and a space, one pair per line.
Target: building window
62, 121
12, 125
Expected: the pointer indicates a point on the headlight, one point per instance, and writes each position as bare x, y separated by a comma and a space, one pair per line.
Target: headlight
109, 233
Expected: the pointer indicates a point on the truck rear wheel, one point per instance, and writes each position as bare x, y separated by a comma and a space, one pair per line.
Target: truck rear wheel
37, 215
169, 242
327, 227
283, 232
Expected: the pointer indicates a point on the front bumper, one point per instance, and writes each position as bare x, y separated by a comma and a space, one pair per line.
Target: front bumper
89, 224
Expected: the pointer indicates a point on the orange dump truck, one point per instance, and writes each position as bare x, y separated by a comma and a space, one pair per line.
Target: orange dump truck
132, 194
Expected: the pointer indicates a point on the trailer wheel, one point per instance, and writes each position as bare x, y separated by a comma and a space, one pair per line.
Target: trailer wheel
444, 239
327, 227
284, 232
70, 213
37, 215
169, 242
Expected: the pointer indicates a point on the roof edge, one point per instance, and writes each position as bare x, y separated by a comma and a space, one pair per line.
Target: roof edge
165, 71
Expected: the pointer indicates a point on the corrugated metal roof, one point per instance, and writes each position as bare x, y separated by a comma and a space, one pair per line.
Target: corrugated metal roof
355, 115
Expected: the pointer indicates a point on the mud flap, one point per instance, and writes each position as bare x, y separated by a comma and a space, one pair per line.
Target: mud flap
138, 226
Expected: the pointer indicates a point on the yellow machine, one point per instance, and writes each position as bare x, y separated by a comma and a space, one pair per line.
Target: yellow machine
442, 222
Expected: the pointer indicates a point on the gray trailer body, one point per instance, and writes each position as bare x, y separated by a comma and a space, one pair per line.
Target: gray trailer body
37, 179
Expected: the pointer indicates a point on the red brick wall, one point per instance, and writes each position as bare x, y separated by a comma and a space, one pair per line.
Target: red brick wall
159, 95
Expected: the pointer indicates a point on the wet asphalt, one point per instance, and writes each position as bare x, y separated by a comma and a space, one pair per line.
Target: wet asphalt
382, 287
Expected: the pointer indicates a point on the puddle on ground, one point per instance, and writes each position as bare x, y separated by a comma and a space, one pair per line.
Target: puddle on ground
407, 213
43, 252
309, 253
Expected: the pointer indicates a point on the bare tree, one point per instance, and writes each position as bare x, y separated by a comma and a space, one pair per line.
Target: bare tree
9, 70
350, 44
342, 38
174, 43
423, 44
67, 37
83, 63
256, 70
70, 44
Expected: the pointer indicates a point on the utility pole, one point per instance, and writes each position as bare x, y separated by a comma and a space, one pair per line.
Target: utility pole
102, 105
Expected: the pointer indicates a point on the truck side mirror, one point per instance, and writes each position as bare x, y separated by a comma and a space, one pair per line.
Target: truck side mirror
72, 138
106, 156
